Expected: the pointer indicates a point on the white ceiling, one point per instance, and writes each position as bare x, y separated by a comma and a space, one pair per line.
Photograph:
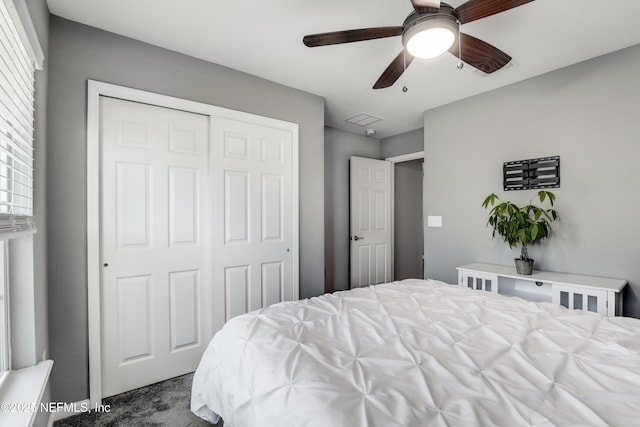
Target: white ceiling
264, 38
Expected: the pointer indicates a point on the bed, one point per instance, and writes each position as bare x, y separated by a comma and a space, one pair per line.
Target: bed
420, 353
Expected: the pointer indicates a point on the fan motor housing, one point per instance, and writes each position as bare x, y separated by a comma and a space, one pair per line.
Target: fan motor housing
445, 9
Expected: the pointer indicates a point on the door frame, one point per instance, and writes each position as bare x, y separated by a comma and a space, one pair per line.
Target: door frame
95, 90
399, 159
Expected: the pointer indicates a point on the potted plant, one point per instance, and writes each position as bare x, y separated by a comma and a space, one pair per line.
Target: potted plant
523, 226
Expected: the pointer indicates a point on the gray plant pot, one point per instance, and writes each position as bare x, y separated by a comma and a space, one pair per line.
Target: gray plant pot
524, 266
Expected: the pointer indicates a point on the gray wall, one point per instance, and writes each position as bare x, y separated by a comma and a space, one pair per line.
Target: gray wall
78, 53
408, 241
339, 146
588, 114
404, 143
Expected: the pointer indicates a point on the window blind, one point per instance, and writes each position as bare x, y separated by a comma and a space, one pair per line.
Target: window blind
16, 128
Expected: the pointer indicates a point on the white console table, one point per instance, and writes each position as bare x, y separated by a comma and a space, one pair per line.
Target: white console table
598, 294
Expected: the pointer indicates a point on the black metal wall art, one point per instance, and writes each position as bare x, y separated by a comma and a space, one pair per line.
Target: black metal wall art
543, 172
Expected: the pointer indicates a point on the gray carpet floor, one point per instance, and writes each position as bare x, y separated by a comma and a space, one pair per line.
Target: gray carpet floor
162, 404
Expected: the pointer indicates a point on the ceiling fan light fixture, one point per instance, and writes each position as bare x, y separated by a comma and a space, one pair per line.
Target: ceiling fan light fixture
431, 36
430, 43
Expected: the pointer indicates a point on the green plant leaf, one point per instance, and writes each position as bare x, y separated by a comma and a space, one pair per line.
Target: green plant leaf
491, 199
537, 214
542, 195
552, 197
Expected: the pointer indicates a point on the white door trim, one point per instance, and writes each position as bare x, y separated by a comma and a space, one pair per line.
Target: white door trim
406, 157
96, 89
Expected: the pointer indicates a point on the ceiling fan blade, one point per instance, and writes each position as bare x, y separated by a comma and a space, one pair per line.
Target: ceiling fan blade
480, 55
349, 36
394, 70
426, 6
478, 9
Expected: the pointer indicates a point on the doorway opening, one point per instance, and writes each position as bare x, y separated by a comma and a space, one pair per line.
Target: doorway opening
408, 220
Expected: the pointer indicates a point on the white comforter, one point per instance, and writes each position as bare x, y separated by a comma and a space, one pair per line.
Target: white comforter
420, 353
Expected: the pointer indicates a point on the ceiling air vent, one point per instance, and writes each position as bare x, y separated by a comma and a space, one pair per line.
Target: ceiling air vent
500, 71
363, 119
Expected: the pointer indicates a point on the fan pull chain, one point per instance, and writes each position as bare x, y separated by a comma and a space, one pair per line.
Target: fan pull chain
404, 62
460, 63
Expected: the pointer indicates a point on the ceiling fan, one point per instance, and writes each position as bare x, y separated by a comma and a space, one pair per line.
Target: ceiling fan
431, 29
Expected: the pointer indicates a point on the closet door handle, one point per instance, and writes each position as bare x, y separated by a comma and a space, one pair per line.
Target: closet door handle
356, 238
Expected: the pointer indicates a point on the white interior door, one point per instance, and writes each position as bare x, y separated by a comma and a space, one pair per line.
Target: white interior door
155, 239
370, 222
254, 246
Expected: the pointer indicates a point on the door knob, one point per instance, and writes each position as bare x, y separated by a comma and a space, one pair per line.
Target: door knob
356, 238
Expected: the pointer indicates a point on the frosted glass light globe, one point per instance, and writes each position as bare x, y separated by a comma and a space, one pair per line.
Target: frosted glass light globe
431, 42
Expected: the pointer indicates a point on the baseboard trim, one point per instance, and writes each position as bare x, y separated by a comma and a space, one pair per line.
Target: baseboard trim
69, 410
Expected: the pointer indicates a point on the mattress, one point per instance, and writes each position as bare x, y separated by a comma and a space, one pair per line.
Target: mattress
416, 353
